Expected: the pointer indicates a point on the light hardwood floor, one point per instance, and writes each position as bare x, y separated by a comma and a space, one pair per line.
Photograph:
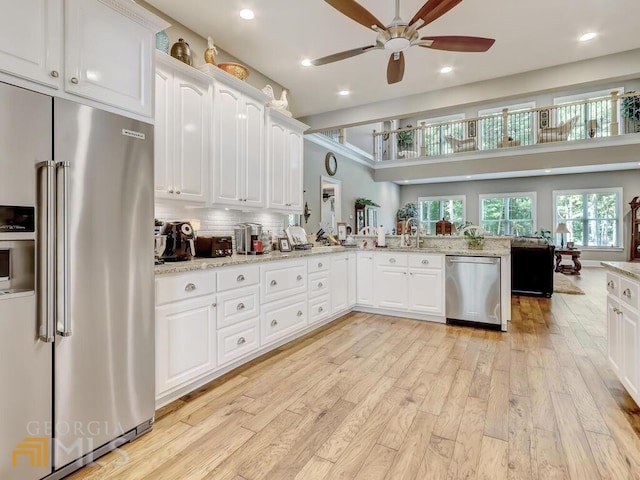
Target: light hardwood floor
373, 397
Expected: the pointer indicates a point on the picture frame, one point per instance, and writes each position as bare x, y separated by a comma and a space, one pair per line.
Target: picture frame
342, 231
283, 244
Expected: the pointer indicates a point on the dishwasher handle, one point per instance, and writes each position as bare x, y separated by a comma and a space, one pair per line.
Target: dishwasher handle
486, 262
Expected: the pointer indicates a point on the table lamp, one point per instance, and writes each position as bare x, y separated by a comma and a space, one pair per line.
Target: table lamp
562, 229
592, 126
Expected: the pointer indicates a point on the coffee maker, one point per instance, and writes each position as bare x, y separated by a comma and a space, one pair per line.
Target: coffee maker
248, 239
180, 245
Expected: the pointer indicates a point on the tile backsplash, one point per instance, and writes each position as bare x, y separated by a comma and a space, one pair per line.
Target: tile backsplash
219, 221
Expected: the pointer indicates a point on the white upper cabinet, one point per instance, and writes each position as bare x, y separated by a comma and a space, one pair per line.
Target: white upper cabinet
285, 154
31, 40
182, 131
100, 50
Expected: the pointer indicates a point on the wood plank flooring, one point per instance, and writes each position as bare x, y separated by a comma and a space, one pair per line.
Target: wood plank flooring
375, 397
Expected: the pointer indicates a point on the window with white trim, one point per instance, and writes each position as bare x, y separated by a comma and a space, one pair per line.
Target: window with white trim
434, 209
593, 109
508, 213
519, 125
593, 217
432, 136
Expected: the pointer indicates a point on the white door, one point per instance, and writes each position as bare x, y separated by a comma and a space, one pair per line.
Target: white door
630, 361
364, 292
614, 322
227, 105
108, 57
163, 134
339, 283
426, 291
31, 40
353, 280
185, 342
391, 287
295, 173
191, 128
254, 164
278, 195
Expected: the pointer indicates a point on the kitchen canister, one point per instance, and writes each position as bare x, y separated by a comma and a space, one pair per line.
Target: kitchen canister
181, 51
162, 41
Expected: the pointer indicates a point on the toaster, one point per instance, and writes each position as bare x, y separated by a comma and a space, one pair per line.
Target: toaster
210, 247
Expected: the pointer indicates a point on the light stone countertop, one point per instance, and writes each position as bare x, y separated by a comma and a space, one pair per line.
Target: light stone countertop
629, 269
207, 263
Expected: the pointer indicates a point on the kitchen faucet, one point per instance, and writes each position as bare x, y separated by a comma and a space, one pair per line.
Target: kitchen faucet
407, 225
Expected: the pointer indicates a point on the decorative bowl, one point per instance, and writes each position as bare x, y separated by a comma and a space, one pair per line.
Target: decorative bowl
235, 69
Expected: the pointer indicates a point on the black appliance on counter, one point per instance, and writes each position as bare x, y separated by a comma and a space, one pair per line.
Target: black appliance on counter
213, 247
180, 242
532, 266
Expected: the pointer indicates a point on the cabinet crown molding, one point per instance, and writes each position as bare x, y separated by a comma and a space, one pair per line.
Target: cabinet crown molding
137, 13
231, 81
290, 122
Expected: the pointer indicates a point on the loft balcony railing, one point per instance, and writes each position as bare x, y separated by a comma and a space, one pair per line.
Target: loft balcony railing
586, 119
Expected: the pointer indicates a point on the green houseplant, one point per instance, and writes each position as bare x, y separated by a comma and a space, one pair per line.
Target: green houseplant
409, 210
474, 236
405, 139
630, 108
366, 201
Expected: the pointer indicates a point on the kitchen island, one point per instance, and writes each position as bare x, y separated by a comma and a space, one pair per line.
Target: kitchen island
215, 314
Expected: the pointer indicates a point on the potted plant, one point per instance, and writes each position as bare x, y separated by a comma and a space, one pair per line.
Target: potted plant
405, 139
630, 108
409, 210
366, 202
474, 236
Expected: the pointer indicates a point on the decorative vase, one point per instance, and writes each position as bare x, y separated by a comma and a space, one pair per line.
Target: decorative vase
211, 52
162, 41
181, 51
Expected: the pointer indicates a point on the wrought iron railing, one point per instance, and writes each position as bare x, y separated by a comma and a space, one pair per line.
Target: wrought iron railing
586, 119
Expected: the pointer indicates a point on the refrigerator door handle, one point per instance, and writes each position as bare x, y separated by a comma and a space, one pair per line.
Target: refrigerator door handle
62, 249
46, 252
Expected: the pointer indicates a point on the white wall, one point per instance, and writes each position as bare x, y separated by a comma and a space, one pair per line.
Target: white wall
544, 186
357, 181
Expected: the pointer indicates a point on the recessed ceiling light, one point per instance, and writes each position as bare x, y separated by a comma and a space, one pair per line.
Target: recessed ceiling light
343, 93
588, 36
306, 62
468, 176
548, 170
406, 181
446, 70
247, 14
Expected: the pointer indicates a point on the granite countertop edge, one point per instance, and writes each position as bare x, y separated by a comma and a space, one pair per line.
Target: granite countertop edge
198, 264
629, 269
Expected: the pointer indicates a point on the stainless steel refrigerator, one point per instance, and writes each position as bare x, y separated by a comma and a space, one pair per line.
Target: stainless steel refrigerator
76, 283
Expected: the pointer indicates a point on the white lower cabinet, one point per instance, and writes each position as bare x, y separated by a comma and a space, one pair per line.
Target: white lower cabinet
339, 283
426, 290
352, 286
185, 342
238, 340
282, 279
282, 318
391, 287
319, 309
364, 289
613, 333
630, 357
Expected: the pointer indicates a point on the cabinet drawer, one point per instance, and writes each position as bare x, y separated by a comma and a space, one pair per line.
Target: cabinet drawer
282, 280
318, 264
238, 340
238, 305
391, 259
629, 292
182, 286
426, 261
319, 309
318, 284
282, 318
613, 284
235, 277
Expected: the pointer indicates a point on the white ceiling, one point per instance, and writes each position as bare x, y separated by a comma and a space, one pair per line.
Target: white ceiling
529, 35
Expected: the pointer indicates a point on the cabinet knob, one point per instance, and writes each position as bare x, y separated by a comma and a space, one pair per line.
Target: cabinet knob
320, 309
274, 323
299, 313
240, 278
627, 293
425, 262
273, 283
190, 287
610, 284
54, 74
410, 273
299, 277
74, 80
320, 285
214, 305
241, 340
319, 264
178, 192
240, 306
404, 273
392, 260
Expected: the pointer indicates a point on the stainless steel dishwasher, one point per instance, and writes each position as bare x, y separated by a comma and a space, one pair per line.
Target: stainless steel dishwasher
473, 289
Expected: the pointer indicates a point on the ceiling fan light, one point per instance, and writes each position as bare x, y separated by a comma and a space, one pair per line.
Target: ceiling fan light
343, 93
247, 14
306, 62
446, 70
588, 36
397, 44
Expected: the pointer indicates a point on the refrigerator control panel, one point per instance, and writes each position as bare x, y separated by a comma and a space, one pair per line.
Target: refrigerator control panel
17, 219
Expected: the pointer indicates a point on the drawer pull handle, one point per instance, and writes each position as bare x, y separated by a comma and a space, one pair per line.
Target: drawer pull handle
241, 340
190, 287
240, 306
617, 310
319, 264
240, 278
320, 310
299, 313
425, 262
627, 293
74, 80
214, 305
274, 323
320, 285
610, 284
273, 283
299, 277
55, 74
392, 260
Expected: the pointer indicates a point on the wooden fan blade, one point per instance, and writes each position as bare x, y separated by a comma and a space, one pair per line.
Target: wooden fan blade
395, 68
432, 10
342, 55
459, 44
356, 12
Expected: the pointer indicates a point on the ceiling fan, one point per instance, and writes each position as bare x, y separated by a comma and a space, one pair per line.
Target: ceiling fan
400, 35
